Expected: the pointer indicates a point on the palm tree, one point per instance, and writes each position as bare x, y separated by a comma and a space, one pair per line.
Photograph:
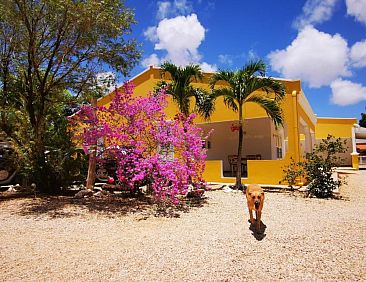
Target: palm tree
182, 91
242, 86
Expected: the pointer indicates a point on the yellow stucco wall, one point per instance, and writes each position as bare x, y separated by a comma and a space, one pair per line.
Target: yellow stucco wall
260, 172
147, 80
263, 171
338, 127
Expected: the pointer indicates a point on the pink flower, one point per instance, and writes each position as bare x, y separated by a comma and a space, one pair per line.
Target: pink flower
147, 147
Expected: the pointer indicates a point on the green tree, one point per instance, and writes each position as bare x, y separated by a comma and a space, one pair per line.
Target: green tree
47, 47
362, 121
182, 91
243, 86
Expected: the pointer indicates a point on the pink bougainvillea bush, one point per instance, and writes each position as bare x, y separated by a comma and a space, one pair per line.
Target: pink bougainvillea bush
167, 155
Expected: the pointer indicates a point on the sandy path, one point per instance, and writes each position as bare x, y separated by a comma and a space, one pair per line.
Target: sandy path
304, 240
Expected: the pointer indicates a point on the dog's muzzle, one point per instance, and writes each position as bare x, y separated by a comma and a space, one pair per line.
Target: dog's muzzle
257, 204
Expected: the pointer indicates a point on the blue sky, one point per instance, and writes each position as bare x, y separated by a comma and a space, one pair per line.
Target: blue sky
321, 42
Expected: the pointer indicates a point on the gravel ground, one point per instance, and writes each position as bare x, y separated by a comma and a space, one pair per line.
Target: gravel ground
63, 239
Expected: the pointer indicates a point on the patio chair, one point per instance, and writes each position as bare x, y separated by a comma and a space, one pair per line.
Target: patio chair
233, 161
251, 157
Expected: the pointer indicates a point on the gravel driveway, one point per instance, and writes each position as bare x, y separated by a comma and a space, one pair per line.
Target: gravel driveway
305, 239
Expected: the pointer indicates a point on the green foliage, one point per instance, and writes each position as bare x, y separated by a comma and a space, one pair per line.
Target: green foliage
63, 163
47, 47
317, 168
293, 172
362, 121
182, 91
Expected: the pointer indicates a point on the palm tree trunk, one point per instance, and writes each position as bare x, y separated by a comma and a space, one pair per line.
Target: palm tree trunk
240, 146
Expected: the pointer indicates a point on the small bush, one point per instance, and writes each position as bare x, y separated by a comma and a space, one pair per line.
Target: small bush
292, 172
317, 168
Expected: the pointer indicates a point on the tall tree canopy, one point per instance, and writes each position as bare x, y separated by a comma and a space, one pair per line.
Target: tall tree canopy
362, 121
49, 46
182, 91
243, 86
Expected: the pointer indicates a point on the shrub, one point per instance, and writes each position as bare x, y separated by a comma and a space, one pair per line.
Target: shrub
293, 172
317, 168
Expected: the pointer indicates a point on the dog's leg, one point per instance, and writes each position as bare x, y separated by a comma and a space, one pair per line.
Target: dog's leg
258, 215
251, 216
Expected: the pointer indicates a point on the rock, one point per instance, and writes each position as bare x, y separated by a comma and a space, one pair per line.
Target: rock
227, 189
11, 189
101, 193
97, 189
143, 189
303, 189
83, 193
190, 188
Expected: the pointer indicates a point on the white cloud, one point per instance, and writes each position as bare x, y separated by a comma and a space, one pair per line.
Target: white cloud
171, 9
226, 59
182, 6
180, 37
357, 8
163, 9
358, 54
315, 11
346, 93
150, 34
205, 67
152, 60
314, 56
323, 59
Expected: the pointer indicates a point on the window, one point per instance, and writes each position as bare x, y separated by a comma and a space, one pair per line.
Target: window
166, 151
206, 144
278, 142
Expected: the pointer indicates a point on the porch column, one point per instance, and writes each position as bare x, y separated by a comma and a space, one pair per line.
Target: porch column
283, 144
295, 127
312, 136
354, 154
308, 147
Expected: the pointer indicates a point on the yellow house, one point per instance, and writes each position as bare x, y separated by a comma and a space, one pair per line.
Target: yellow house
267, 149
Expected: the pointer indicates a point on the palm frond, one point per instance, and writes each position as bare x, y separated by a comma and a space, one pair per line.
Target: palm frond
231, 103
205, 103
253, 68
271, 106
265, 84
229, 96
172, 69
221, 75
180, 87
193, 71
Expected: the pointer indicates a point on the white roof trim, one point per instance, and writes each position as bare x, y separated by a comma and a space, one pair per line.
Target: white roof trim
335, 118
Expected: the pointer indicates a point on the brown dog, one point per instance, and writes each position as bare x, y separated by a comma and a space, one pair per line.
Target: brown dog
255, 200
